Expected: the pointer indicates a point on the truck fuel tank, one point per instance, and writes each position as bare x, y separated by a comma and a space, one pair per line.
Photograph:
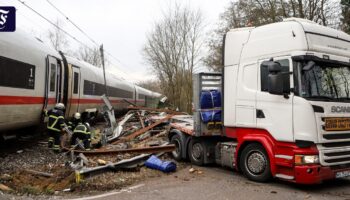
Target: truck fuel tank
225, 154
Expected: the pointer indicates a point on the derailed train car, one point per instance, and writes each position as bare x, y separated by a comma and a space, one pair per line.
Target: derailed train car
34, 76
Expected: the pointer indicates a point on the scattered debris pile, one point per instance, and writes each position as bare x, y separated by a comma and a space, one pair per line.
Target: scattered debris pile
121, 146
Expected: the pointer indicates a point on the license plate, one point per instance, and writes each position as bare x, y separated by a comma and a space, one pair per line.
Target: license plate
337, 124
342, 174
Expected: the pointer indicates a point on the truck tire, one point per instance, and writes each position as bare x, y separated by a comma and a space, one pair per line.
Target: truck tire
255, 164
177, 154
196, 151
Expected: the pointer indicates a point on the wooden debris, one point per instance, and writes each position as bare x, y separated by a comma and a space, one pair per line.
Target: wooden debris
5, 188
143, 130
48, 175
101, 162
192, 170
141, 120
83, 158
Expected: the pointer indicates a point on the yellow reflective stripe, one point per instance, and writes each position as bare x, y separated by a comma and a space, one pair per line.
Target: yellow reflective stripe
55, 122
53, 116
79, 131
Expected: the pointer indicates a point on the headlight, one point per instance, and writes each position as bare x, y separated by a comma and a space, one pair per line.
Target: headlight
306, 159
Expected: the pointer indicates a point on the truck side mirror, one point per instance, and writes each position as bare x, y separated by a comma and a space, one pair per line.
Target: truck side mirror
275, 77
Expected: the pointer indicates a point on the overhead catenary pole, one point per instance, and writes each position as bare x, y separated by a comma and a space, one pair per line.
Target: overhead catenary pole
104, 70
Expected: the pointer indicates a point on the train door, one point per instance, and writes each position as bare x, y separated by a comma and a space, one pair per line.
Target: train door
53, 80
75, 88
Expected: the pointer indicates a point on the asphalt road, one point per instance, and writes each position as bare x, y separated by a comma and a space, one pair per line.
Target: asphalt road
218, 183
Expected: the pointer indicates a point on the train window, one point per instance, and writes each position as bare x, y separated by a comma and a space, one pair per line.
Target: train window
141, 96
76, 83
16, 74
52, 77
97, 89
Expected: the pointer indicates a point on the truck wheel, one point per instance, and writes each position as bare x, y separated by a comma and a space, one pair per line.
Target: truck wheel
196, 151
255, 163
176, 140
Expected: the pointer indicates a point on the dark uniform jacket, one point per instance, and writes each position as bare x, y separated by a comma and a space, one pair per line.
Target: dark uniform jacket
82, 128
56, 120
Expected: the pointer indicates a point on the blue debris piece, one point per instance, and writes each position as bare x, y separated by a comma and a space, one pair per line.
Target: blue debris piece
155, 163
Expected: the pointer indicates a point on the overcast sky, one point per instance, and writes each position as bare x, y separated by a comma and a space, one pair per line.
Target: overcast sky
120, 25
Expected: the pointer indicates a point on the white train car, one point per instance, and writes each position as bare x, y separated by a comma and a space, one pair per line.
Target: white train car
24, 70
34, 76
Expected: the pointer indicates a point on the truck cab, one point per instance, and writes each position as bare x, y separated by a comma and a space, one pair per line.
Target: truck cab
285, 104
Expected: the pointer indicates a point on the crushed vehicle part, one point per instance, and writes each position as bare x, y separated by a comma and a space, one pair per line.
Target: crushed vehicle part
118, 130
108, 112
123, 164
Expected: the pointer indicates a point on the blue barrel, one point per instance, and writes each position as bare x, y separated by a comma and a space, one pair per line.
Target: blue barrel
210, 99
154, 162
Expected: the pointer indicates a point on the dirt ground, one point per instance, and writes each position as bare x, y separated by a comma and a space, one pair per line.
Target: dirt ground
16, 158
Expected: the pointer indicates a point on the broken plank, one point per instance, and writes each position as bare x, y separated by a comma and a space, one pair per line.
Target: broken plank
141, 120
5, 188
48, 175
156, 110
143, 130
83, 158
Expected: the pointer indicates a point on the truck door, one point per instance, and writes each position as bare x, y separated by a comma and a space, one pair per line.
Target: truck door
275, 112
75, 88
53, 81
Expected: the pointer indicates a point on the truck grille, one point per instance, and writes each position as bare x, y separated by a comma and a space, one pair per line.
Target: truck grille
335, 155
336, 136
335, 146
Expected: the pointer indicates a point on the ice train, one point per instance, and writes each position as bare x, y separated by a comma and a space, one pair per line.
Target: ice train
34, 76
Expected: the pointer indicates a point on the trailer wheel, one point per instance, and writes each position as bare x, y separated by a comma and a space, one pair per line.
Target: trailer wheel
255, 163
196, 151
176, 140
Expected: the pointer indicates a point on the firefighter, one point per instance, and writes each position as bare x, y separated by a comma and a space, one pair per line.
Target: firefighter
82, 132
74, 122
55, 126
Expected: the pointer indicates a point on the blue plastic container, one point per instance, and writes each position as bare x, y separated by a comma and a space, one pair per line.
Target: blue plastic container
154, 162
211, 116
210, 99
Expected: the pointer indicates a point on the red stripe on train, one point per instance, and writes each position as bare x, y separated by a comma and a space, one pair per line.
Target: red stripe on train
21, 100
11, 100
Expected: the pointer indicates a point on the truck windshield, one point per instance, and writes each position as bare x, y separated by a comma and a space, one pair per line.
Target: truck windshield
325, 81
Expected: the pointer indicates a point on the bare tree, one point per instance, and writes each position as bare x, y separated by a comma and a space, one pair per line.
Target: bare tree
345, 9
57, 38
90, 55
153, 85
173, 50
242, 13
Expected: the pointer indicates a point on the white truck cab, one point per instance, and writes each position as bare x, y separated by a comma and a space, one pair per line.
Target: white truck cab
286, 103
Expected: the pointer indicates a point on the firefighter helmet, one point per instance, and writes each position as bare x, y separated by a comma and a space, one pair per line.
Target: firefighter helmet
59, 106
77, 115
